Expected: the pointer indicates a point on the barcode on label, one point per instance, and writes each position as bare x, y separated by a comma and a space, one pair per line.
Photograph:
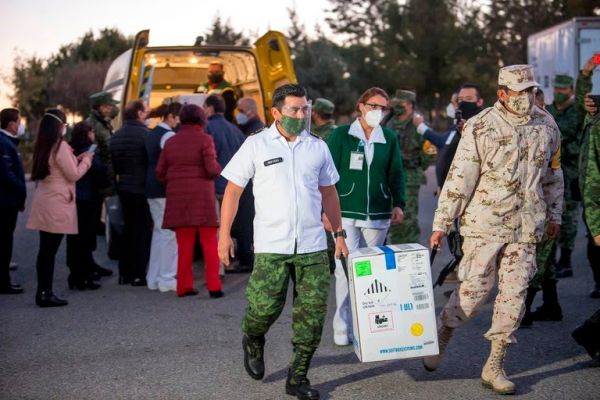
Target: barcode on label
421, 296
422, 306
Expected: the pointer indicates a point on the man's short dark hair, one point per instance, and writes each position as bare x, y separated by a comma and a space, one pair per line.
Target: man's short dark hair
284, 91
472, 86
131, 110
216, 102
7, 116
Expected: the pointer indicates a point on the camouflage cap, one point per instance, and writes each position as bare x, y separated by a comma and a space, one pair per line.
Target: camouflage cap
323, 106
405, 95
102, 97
562, 81
517, 77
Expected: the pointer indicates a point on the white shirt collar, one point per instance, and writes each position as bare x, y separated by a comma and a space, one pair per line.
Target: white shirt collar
164, 126
357, 131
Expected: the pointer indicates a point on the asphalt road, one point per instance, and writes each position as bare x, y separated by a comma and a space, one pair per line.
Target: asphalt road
131, 343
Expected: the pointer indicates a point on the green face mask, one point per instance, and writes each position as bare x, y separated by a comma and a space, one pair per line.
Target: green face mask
293, 126
560, 97
399, 110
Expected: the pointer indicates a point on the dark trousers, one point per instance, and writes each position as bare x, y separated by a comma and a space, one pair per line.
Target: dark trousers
80, 247
137, 236
8, 222
243, 229
593, 254
49, 244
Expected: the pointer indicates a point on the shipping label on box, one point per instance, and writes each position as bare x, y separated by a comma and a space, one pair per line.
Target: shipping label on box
391, 295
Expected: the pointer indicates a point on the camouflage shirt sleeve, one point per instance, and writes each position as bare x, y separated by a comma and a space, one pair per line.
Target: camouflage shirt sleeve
553, 183
461, 180
591, 190
583, 85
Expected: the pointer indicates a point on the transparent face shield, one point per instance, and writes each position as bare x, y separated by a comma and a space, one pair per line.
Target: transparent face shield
308, 116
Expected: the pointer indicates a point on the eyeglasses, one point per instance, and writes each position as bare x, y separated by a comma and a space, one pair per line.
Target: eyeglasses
373, 106
295, 110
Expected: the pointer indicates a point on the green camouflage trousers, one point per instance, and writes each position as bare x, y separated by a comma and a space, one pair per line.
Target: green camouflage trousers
408, 231
515, 263
267, 290
546, 270
570, 218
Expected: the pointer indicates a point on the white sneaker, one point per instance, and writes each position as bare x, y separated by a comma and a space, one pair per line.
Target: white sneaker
342, 339
167, 288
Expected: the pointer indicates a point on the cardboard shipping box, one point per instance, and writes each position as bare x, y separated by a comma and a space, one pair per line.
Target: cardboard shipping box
391, 294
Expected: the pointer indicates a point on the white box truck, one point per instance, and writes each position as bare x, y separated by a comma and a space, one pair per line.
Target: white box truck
564, 49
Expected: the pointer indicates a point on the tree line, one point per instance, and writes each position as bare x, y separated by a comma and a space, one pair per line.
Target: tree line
429, 46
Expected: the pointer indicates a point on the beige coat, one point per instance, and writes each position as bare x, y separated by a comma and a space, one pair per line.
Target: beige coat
53, 208
505, 181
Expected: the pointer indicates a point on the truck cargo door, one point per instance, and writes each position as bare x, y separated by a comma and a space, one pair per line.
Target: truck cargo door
135, 86
275, 66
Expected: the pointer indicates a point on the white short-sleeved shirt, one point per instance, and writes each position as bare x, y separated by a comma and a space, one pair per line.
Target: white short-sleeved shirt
286, 182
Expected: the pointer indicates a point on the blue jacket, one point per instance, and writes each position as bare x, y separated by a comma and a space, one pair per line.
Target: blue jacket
252, 126
12, 176
228, 139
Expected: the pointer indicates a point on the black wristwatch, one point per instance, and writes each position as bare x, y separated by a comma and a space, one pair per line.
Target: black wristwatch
341, 233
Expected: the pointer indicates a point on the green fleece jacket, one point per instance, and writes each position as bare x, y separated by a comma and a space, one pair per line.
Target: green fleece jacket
372, 192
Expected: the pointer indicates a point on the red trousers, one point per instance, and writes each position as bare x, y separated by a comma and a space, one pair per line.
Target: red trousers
186, 239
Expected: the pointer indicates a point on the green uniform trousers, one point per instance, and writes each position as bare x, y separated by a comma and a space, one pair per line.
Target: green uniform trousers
544, 258
267, 290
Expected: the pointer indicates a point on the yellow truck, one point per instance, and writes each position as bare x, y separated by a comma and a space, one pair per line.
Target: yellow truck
156, 74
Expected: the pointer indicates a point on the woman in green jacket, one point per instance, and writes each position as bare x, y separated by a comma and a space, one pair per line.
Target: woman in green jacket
371, 189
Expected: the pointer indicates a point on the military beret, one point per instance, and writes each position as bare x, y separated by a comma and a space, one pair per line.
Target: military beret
323, 106
102, 97
562, 81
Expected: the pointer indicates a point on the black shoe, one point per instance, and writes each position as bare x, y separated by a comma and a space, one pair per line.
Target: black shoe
254, 362
192, 292
11, 289
123, 280
48, 299
216, 294
102, 271
585, 336
550, 309
300, 388
139, 282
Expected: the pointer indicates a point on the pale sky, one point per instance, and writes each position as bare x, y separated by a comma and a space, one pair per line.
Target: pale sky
40, 27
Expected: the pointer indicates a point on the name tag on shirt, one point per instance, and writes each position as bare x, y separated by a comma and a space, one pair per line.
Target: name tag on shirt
273, 161
356, 160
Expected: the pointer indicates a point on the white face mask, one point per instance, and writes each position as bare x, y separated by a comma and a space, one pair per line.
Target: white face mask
520, 104
450, 110
373, 118
241, 118
64, 131
20, 130
148, 121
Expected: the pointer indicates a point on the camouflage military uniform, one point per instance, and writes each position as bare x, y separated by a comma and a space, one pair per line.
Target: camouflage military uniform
415, 162
324, 130
569, 121
267, 290
589, 181
494, 185
103, 130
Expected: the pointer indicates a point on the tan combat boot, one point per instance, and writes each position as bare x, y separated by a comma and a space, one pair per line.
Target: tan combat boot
493, 375
431, 363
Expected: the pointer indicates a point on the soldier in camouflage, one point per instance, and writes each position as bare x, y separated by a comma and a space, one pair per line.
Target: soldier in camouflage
102, 112
294, 179
415, 161
567, 110
568, 114
587, 334
322, 118
495, 186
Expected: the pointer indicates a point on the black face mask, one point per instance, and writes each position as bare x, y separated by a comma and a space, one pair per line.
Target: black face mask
215, 77
468, 109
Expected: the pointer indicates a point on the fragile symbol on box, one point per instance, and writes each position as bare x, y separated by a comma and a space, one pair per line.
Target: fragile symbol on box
377, 291
381, 321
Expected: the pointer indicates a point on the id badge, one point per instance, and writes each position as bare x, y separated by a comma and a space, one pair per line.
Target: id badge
356, 160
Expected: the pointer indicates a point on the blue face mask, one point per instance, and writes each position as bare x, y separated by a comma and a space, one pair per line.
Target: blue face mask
241, 118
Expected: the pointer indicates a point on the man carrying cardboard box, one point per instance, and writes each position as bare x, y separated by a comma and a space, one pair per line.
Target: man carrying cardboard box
505, 182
